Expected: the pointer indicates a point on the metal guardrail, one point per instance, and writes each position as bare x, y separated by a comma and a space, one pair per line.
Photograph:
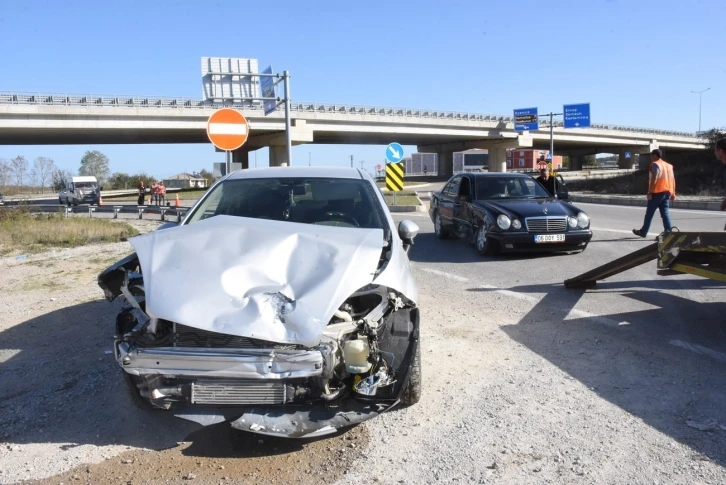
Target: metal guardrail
11, 97
140, 210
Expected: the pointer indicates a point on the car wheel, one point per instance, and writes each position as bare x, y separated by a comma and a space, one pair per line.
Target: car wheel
485, 245
412, 394
439, 229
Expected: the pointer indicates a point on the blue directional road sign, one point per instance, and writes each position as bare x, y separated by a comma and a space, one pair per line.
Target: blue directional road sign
267, 84
526, 119
627, 154
577, 115
394, 152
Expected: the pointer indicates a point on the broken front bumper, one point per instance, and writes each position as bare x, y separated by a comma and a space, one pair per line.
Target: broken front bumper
229, 363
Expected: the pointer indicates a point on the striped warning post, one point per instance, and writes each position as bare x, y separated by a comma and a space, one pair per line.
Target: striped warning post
394, 176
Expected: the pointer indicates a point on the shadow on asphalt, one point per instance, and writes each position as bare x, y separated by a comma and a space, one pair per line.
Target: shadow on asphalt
428, 248
223, 441
639, 366
61, 387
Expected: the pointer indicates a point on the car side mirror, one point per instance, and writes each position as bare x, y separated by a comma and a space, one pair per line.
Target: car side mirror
407, 231
166, 225
100, 188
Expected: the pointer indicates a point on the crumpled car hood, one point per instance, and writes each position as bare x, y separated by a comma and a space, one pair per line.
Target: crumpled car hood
255, 278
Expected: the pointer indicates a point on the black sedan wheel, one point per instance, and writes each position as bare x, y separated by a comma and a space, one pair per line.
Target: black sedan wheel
441, 233
485, 245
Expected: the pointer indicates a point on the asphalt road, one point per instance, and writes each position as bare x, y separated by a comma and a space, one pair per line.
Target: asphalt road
661, 308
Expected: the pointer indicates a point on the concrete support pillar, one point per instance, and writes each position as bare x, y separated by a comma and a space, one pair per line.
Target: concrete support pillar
241, 157
576, 162
278, 156
446, 164
497, 159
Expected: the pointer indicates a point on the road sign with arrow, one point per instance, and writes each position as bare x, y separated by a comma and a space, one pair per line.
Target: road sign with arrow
394, 152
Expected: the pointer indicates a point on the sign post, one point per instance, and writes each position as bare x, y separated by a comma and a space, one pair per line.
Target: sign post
268, 80
228, 130
394, 169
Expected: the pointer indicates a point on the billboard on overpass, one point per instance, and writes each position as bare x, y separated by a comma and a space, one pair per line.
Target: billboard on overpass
226, 80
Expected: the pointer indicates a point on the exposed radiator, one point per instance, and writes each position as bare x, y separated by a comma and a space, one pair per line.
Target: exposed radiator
238, 392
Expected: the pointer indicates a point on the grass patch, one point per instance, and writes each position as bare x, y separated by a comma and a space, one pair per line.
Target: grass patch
382, 184
402, 198
21, 230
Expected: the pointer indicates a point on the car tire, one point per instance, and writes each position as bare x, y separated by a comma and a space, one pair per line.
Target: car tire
439, 229
484, 245
412, 394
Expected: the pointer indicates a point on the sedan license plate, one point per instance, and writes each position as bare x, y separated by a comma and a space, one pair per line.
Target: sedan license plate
546, 238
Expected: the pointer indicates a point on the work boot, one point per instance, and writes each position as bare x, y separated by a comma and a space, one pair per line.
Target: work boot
638, 233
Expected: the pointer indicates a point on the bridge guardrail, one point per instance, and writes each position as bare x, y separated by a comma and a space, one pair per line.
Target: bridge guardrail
11, 97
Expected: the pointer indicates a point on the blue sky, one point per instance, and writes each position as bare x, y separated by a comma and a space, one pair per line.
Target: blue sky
635, 61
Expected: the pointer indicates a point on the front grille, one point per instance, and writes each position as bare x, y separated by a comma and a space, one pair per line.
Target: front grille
546, 224
237, 392
194, 337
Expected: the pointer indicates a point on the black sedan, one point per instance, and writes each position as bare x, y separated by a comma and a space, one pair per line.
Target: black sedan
507, 212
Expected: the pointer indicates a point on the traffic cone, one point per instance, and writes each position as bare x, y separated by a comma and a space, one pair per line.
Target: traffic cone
100, 200
176, 202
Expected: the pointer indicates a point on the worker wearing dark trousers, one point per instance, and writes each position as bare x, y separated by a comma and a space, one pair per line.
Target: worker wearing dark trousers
661, 190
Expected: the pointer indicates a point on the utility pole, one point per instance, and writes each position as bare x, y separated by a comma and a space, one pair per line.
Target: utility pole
255, 158
310, 159
361, 164
552, 144
700, 95
351, 161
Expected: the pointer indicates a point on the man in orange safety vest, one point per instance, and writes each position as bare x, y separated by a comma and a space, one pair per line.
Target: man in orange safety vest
661, 190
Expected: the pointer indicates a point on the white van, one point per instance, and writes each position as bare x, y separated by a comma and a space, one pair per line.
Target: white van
80, 190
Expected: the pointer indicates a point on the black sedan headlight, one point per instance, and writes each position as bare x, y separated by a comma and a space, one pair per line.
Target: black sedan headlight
583, 221
504, 222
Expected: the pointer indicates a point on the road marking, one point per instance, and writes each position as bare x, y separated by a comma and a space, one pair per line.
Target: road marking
573, 313
642, 208
595, 318
622, 231
513, 294
445, 275
699, 349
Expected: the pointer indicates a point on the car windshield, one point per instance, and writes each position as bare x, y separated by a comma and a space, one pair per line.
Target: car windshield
84, 185
509, 187
326, 201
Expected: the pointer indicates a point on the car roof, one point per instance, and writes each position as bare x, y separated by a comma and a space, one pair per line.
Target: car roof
303, 171
84, 178
499, 174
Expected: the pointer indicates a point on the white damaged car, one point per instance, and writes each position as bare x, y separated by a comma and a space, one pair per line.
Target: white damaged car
283, 303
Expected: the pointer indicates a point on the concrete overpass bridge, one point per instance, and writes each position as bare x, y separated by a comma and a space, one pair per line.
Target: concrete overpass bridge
51, 119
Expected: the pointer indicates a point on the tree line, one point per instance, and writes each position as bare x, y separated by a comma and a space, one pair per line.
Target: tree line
43, 174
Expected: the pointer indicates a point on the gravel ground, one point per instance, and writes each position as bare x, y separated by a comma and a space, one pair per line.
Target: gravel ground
514, 392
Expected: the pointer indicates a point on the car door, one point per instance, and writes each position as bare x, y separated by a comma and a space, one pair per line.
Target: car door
561, 187
448, 196
462, 207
